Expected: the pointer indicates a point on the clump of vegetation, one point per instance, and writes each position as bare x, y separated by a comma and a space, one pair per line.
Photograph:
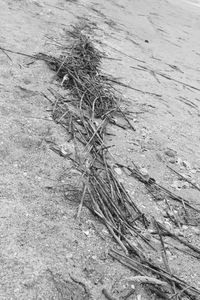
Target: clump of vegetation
79, 72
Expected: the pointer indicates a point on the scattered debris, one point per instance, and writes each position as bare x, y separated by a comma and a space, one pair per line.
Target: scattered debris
186, 179
100, 190
177, 184
156, 190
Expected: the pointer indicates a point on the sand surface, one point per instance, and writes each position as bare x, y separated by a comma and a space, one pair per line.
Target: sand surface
45, 252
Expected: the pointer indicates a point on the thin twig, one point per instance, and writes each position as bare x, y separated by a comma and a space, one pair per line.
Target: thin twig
183, 177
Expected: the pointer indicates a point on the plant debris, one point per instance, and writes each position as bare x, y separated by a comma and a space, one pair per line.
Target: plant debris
79, 72
100, 190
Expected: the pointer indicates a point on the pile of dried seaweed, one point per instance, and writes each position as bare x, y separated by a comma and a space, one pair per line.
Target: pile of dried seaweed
79, 72
101, 191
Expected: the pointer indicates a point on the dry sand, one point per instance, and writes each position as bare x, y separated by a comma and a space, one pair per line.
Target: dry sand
42, 245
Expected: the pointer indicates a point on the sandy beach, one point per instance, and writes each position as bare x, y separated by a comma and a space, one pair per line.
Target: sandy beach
153, 48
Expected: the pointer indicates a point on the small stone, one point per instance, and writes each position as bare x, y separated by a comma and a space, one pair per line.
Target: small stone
144, 173
152, 231
49, 139
184, 227
118, 171
105, 231
86, 232
186, 164
169, 226
168, 253
170, 153
172, 160
176, 185
170, 213
67, 148
133, 287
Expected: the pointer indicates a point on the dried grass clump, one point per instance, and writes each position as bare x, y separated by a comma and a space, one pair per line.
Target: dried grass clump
79, 71
83, 57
